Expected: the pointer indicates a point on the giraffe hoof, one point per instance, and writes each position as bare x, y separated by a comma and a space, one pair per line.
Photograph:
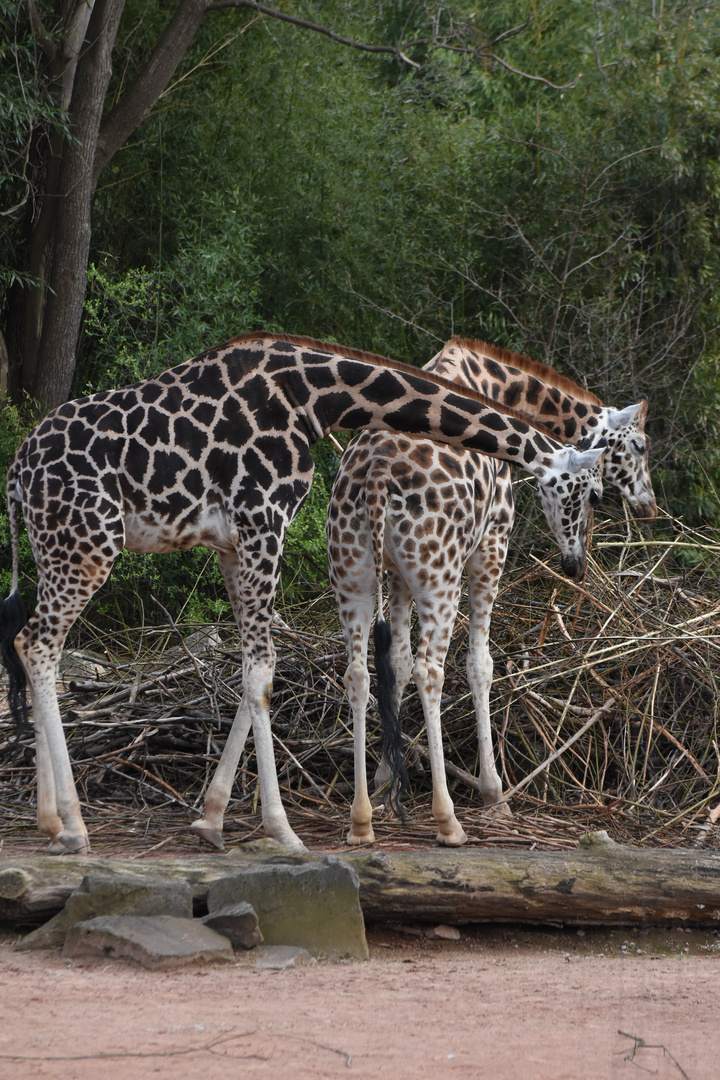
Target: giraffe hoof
212, 837
498, 811
355, 837
289, 841
66, 844
455, 839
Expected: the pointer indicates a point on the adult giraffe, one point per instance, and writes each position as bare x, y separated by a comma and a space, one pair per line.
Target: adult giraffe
214, 452
424, 512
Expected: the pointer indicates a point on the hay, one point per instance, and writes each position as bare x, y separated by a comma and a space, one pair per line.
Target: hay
618, 674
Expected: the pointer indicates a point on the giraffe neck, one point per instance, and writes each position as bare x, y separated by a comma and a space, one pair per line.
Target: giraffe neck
331, 388
538, 392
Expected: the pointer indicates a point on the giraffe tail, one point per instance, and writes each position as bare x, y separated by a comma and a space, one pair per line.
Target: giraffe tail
13, 616
392, 742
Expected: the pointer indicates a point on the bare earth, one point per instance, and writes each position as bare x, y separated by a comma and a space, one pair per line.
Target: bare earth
502, 1002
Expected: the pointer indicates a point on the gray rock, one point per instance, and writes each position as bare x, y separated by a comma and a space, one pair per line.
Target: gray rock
599, 839
154, 941
238, 923
448, 933
313, 905
113, 894
281, 957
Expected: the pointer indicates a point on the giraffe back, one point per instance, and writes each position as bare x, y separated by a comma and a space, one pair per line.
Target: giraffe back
414, 506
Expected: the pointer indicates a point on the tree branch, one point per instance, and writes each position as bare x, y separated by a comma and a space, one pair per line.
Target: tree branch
136, 103
400, 51
36, 25
533, 78
395, 50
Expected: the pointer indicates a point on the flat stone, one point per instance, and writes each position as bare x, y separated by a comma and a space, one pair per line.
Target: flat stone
238, 923
113, 894
281, 957
313, 905
154, 941
447, 933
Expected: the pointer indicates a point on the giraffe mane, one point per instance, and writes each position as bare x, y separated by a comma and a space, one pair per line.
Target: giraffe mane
532, 367
392, 365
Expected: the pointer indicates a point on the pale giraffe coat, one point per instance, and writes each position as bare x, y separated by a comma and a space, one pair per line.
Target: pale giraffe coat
423, 512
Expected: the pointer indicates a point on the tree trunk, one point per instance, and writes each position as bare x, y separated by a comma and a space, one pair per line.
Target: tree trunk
44, 322
70, 244
599, 883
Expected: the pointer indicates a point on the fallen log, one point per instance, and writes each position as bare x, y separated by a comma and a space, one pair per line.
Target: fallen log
599, 883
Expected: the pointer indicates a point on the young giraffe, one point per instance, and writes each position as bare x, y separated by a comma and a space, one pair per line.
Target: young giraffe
214, 452
422, 512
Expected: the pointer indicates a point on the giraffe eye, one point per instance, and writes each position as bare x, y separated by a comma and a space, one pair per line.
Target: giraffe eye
595, 498
639, 448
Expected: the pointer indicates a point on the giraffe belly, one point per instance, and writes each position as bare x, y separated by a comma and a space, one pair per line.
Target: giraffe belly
147, 533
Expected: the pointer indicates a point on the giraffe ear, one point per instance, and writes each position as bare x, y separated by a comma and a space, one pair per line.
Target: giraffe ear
584, 459
621, 418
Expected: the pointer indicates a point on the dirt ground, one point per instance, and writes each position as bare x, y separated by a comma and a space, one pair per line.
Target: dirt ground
506, 1002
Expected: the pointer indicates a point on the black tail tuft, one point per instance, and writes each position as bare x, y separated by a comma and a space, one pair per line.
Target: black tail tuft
392, 746
13, 616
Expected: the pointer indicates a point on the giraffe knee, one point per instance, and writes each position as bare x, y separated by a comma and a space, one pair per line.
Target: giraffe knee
428, 677
357, 683
258, 686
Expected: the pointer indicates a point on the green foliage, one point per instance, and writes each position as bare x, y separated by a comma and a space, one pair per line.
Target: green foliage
285, 181
27, 112
143, 320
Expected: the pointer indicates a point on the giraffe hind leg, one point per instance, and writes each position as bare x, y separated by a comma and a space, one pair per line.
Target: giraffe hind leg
356, 631
63, 592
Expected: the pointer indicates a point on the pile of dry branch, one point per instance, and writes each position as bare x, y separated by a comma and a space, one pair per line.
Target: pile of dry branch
604, 705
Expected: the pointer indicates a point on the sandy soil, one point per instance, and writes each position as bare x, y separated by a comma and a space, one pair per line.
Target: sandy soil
502, 1002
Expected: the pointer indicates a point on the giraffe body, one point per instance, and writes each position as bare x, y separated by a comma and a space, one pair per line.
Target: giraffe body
423, 512
454, 512
214, 452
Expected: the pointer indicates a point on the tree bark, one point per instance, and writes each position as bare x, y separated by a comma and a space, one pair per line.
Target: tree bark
599, 883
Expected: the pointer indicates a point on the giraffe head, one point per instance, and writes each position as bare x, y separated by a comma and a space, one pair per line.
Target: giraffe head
569, 490
626, 461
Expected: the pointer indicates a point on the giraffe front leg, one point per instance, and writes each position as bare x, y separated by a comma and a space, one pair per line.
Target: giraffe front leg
250, 574
209, 827
484, 569
258, 689
399, 608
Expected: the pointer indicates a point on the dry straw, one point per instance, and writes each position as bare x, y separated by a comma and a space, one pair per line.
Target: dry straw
605, 710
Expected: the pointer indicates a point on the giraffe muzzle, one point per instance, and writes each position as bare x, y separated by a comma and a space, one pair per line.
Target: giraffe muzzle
646, 510
572, 566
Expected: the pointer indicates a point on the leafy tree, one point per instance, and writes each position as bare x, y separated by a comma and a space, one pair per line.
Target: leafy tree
76, 43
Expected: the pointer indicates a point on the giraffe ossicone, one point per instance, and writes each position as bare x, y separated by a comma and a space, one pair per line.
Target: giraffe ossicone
216, 453
423, 512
